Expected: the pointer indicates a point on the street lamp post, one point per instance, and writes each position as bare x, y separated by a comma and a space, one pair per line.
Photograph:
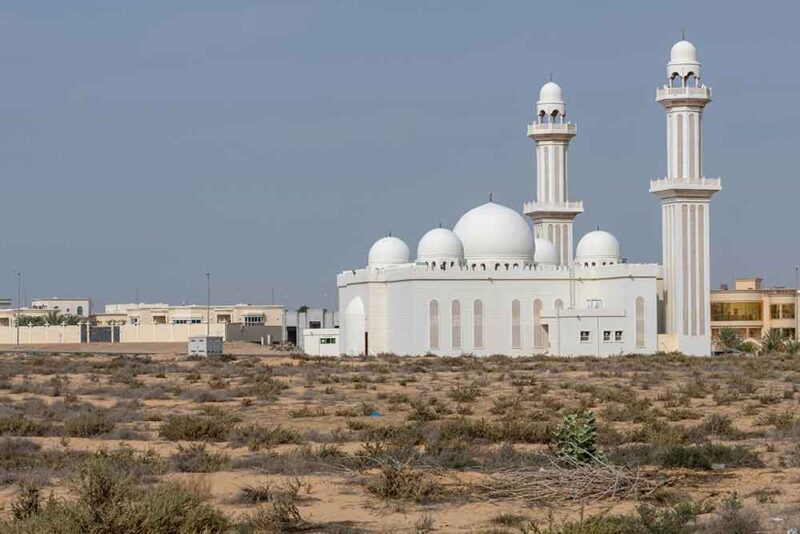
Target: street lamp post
19, 304
208, 304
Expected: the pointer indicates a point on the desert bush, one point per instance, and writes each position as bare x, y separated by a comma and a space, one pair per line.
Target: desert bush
19, 425
717, 425
257, 437
576, 437
88, 424
196, 458
647, 519
107, 500
430, 409
465, 392
732, 518
215, 426
401, 482
707, 455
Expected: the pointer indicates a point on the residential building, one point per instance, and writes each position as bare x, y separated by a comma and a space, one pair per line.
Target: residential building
752, 310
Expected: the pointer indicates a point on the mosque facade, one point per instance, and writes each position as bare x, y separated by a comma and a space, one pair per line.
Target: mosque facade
508, 282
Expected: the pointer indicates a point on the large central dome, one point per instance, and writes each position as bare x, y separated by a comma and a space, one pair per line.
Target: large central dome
495, 233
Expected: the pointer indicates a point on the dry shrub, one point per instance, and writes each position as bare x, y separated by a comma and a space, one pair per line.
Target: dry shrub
19, 425
400, 482
258, 437
196, 458
214, 426
88, 424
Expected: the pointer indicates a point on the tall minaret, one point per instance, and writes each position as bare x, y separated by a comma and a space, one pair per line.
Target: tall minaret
552, 213
685, 198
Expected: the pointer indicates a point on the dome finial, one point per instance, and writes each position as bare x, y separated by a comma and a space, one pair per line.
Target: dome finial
683, 35
490, 196
390, 233
551, 76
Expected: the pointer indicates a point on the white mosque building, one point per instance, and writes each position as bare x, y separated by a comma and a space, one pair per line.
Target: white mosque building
494, 285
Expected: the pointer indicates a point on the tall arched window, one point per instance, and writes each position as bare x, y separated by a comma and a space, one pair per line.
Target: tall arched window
538, 331
455, 322
691, 80
516, 324
640, 321
80, 310
433, 323
559, 304
477, 324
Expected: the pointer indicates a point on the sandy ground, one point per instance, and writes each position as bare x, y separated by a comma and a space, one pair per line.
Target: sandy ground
333, 393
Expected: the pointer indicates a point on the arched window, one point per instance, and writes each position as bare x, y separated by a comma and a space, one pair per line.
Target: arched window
477, 324
538, 331
559, 304
675, 80
455, 322
516, 324
691, 80
433, 324
640, 321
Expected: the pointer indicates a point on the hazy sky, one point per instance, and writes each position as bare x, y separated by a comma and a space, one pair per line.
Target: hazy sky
145, 143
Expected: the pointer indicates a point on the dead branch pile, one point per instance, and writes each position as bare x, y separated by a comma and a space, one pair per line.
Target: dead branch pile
565, 479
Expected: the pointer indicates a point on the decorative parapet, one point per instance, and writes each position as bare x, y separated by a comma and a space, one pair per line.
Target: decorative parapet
575, 207
559, 128
666, 93
685, 184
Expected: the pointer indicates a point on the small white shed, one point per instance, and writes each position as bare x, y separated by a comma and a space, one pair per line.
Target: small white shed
321, 341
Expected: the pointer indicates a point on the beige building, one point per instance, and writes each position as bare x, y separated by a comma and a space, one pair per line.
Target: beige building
81, 307
752, 310
245, 314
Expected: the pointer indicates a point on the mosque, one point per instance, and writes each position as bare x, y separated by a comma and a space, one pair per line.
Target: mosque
494, 285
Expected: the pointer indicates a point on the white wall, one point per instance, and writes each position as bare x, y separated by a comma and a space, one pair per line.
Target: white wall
396, 304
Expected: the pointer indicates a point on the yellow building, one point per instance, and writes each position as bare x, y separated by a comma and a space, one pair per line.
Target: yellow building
752, 310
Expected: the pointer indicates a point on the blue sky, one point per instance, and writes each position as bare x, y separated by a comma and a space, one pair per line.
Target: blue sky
145, 143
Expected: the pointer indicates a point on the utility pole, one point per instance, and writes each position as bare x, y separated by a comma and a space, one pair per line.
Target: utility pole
19, 302
208, 304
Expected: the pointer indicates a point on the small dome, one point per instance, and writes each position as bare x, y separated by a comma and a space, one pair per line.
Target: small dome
440, 244
597, 247
683, 52
495, 233
389, 251
551, 93
546, 253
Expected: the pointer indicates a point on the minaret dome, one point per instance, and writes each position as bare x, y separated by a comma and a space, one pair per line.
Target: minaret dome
683, 62
551, 101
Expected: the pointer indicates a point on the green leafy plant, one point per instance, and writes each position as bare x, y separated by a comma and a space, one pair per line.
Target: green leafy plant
576, 437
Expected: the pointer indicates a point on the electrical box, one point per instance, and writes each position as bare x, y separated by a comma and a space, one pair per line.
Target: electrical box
205, 345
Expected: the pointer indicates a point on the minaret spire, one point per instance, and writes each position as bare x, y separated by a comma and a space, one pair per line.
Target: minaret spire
685, 195
552, 212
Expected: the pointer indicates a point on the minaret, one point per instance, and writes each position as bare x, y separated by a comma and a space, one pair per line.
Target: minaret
685, 198
552, 212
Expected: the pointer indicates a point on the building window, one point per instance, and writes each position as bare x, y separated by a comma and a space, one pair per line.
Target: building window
252, 320
539, 338
606, 335
455, 322
594, 304
186, 321
618, 336
787, 311
736, 311
640, 321
585, 336
477, 324
80, 310
516, 324
433, 324
327, 340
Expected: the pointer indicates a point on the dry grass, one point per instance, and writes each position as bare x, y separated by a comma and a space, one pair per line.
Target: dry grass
289, 442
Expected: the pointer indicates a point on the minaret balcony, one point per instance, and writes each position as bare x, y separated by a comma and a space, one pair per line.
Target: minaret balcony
567, 130
690, 187
553, 209
683, 93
